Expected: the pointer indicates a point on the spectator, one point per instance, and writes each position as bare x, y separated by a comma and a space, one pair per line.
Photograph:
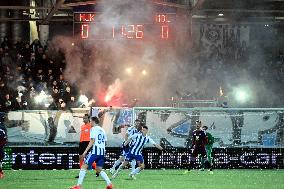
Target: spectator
36, 45
9, 103
6, 44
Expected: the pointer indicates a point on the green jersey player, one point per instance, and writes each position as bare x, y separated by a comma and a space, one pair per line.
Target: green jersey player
208, 146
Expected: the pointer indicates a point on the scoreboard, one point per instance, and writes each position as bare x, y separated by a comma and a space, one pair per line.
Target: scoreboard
90, 26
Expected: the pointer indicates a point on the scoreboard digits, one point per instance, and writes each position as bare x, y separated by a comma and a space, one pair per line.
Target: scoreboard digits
88, 28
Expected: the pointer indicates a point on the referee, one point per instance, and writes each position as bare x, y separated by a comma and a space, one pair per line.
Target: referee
84, 139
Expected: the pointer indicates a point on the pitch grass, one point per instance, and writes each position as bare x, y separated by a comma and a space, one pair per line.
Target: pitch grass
148, 179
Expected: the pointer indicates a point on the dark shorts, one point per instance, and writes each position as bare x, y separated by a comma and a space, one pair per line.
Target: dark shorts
199, 150
129, 157
2, 154
82, 147
124, 150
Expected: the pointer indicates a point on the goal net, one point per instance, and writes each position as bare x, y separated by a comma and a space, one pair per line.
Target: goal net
231, 127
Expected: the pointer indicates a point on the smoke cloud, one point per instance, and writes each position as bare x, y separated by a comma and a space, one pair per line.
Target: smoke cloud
99, 68
173, 68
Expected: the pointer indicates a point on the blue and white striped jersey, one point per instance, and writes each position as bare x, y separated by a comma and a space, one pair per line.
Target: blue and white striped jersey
139, 141
3, 129
3, 138
98, 133
131, 131
2, 134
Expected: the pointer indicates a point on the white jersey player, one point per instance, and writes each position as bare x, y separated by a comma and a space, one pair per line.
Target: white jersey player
97, 142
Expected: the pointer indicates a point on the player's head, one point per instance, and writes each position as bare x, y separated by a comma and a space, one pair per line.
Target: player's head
136, 123
144, 129
100, 114
198, 124
95, 120
86, 118
126, 126
204, 128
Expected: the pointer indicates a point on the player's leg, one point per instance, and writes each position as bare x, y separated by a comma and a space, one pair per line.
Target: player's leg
94, 166
133, 165
122, 166
1, 171
133, 162
99, 170
129, 157
202, 161
209, 153
191, 160
203, 157
82, 146
209, 156
81, 161
141, 166
124, 152
82, 149
203, 153
2, 155
87, 163
118, 162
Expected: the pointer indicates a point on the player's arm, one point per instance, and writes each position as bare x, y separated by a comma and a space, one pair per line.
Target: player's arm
126, 136
158, 146
105, 140
193, 142
204, 138
92, 141
210, 139
130, 139
155, 144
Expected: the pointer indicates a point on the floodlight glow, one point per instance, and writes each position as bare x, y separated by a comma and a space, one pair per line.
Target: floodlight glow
83, 99
144, 72
128, 70
46, 105
41, 97
242, 95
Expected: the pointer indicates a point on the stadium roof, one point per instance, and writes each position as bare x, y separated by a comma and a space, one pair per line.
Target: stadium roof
253, 11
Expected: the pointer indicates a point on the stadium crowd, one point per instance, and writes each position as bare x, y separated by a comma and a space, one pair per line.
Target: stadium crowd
28, 70
31, 70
